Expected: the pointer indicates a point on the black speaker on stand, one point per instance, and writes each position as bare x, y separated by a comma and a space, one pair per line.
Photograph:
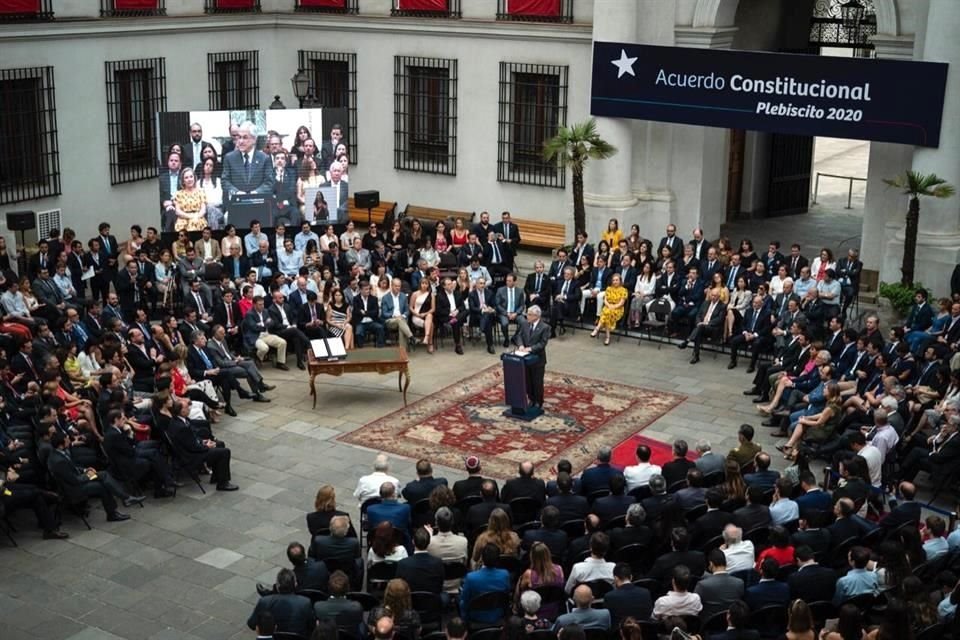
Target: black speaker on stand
21, 221
367, 200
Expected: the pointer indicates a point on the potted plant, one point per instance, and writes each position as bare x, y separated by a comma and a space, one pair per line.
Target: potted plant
916, 185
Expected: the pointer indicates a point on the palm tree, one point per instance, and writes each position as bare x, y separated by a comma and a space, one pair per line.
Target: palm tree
572, 147
915, 185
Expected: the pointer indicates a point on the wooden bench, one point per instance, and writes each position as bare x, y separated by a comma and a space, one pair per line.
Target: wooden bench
384, 212
543, 235
430, 214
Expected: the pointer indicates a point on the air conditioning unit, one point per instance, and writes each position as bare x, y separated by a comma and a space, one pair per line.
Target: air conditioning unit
47, 220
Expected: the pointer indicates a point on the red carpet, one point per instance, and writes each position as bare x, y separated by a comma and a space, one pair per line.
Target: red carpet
582, 414
624, 454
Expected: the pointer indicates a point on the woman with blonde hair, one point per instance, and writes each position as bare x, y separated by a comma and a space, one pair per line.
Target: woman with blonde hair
398, 604
799, 621
190, 203
498, 533
542, 572
324, 510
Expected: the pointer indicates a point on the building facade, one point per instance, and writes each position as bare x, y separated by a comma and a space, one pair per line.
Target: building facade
498, 82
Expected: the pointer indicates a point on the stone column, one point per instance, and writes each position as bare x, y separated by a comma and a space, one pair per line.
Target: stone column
938, 245
607, 188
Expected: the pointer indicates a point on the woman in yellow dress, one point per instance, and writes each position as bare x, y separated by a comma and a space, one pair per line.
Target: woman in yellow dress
614, 299
190, 203
613, 235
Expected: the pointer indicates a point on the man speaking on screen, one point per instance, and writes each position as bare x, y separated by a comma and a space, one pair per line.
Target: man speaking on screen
246, 170
532, 339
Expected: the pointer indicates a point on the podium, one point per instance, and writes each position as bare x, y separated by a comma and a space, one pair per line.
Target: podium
516, 386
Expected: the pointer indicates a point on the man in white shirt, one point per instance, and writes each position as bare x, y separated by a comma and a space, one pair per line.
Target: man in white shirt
885, 437
739, 552
368, 486
870, 453
678, 601
595, 567
639, 474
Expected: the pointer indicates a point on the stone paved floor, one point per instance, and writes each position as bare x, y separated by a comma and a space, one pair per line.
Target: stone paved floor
186, 568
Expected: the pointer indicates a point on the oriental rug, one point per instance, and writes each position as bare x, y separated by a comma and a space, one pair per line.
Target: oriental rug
465, 418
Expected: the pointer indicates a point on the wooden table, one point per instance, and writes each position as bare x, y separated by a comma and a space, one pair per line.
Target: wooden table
368, 360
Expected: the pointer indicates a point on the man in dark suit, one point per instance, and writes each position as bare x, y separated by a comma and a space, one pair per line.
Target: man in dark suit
292, 613
764, 477
795, 262
285, 325
580, 249
508, 234
701, 247
41, 259
538, 287
597, 477
627, 599
571, 507
753, 514
738, 624
135, 462
811, 582
79, 484
470, 486
285, 190
192, 451
907, 510
246, 170
709, 323
389, 510
483, 310
345, 613
549, 533
143, 359
525, 485
560, 262
227, 314
532, 339
479, 514
237, 366
718, 590
129, 288
672, 241
337, 545
754, 335
422, 571
848, 273
169, 180
337, 263
200, 365
452, 311
635, 531
676, 469
566, 300
681, 554
845, 526
421, 488
312, 318
689, 299
711, 524
366, 316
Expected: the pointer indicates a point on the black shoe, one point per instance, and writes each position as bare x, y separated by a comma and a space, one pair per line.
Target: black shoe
732, 365
490, 349
263, 591
116, 516
506, 343
752, 392
244, 395
301, 366
771, 423
260, 398
227, 486
230, 411
267, 387
682, 345
282, 367
55, 534
694, 359
132, 500
163, 493
458, 349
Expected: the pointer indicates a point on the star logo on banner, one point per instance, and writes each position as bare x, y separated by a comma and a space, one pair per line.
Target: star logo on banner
624, 64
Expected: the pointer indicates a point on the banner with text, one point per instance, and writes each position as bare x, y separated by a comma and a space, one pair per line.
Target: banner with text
866, 99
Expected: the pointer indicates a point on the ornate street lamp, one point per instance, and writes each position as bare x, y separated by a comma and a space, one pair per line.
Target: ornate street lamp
851, 12
301, 86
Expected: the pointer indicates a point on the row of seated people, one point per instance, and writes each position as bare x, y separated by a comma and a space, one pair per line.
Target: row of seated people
807, 546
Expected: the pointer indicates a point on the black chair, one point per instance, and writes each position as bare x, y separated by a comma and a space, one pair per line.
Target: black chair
785, 571
366, 600
454, 570
487, 633
315, 595
177, 464
525, 509
822, 610
641, 492
656, 319
632, 554
770, 621
871, 539
434, 635
600, 588
521, 529
347, 565
759, 536
420, 512
716, 623
596, 634
711, 544
573, 528
613, 523
713, 478
379, 574
692, 623
599, 493
512, 564
494, 601
676, 486
653, 586
933, 632
428, 605
464, 505
864, 601
692, 514
552, 594
838, 555
343, 633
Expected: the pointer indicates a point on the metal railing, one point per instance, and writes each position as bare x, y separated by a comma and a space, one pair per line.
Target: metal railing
816, 186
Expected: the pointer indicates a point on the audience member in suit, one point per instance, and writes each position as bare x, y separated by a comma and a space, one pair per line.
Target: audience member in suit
346, 613
571, 507
711, 524
538, 287
285, 325
483, 310
709, 323
422, 571
693, 495
227, 314
389, 510
845, 526
549, 533
525, 485
200, 365
764, 477
718, 589
566, 300
813, 497
597, 477
508, 233
470, 486
661, 506
77, 484
366, 316
615, 504
738, 624
795, 262
811, 532
671, 240
627, 600
583, 614
292, 613
769, 591
337, 545
479, 514
755, 334
451, 311
310, 573
811, 582
681, 554
193, 452
486, 579
246, 170
754, 514
285, 189
907, 510
421, 488
635, 531
238, 367
676, 470
510, 304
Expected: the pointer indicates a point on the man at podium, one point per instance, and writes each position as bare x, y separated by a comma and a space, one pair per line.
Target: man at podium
532, 339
